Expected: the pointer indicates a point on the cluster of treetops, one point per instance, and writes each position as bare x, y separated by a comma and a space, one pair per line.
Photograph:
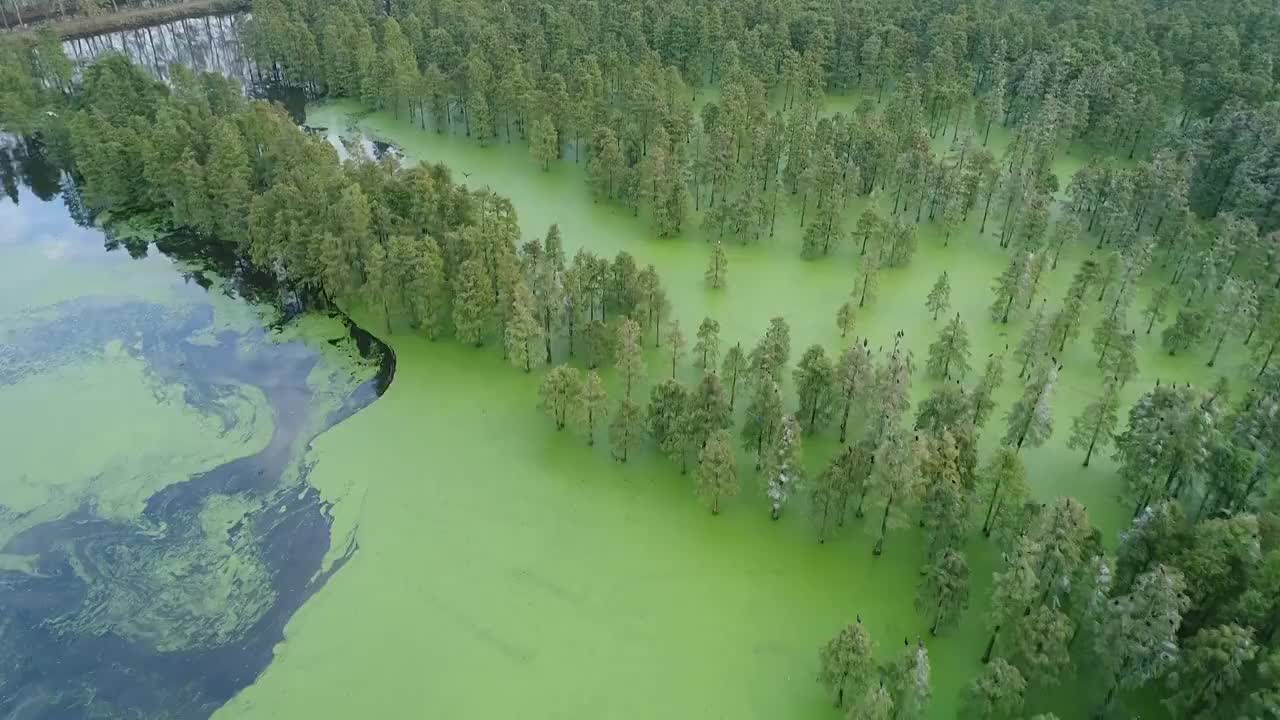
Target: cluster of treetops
1192, 593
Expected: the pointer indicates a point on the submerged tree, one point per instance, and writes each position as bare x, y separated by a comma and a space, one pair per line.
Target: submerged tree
706, 351
997, 692
1031, 417
560, 393
783, 466
1097, 422
896, 478
980, 398
945, 501
939, 299
675, 343
717, 274
1137, 638
730, 370
846, 317
1212, 667
814, 378
944, 589
544, 141
631, 366
523, 331
853, 375
592, 405
909, 679
950, 352
717, 470
668, 409
847, 664
1011, 286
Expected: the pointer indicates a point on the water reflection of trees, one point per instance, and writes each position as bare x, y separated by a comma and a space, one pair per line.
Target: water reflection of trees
211, 43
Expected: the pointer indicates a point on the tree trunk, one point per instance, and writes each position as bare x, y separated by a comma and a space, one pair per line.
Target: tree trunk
986, 210
1092, 441
991, 507
1214, 358
844, 418
1267, 361
991, 645
884, 525
862, 499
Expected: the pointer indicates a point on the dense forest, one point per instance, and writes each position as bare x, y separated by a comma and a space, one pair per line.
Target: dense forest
1177, 102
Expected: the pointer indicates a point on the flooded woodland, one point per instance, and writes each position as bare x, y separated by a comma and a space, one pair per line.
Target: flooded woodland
223, 497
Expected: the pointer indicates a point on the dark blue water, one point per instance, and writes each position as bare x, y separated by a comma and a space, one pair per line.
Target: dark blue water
57, 658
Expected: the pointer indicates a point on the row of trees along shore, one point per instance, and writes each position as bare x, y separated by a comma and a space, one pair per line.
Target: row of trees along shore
1186, 596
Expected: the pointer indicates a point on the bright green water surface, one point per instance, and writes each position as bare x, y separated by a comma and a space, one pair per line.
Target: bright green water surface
506, 570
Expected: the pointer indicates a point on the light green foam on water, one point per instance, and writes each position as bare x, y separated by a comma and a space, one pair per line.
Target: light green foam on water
108, 434
202, 591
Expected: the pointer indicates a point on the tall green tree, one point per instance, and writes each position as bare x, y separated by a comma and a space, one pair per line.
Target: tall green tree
909, 680
626, 428
524, 332
707, 350
853, 375
997, 692
944, 500
631, 366
735, 362
1012, 286
226, 180
944, 590
1030, 419
847, 664
675, 343
782, 467
1237, 302
950, 352
1015, 589
1097, 421
592, 405
560, 393
814, 379
544, 141
1006, 477
1035, 340
981, 396
939, 298
1138, 635
763, 418
717, 266
896, 479
1211, 669
845, 317
717, 470
473, 302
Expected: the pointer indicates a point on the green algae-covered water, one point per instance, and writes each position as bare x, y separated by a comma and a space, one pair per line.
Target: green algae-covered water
508, 570
200, 523
157, 527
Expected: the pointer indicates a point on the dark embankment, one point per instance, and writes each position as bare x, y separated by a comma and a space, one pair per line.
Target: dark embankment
68, 25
